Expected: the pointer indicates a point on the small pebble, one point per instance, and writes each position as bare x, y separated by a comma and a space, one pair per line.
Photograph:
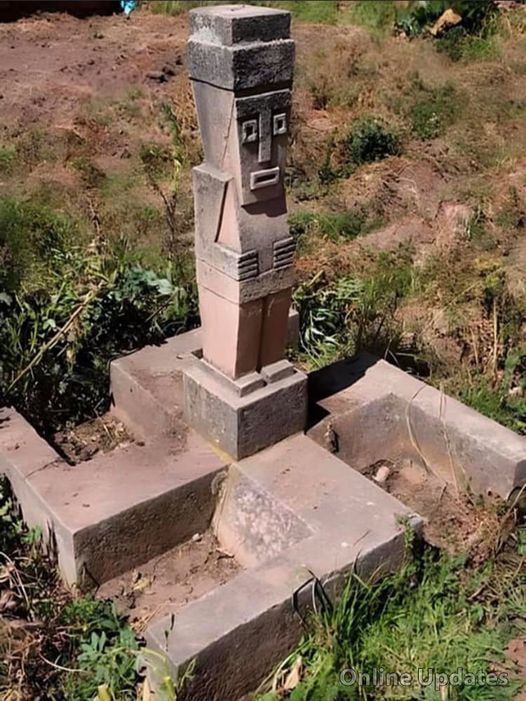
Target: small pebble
382, 475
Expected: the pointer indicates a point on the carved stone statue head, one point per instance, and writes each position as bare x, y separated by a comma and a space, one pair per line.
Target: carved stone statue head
241, 63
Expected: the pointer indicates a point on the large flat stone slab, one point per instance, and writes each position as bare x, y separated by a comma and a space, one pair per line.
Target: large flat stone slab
111, 513
289, 511
358, 400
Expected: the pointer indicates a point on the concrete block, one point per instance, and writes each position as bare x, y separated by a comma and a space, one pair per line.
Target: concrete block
251, 523
241, 426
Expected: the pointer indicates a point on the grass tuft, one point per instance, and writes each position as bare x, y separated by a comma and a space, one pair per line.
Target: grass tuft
403, 637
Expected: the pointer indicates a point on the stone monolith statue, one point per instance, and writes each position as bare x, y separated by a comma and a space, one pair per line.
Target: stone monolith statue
241, 61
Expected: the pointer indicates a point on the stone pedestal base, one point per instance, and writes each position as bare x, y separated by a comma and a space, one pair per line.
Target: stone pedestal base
242, 417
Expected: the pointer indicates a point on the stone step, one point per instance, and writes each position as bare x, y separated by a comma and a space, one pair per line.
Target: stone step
116, 511
285, 514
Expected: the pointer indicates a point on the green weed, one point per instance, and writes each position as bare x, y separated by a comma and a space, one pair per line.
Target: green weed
458, 45
434, 110
478, 233
67, 309
370, 140
32, 237
155, 158
354, 313
83, 635
319, 11
7, 158
431, 619
376, 16
335, 226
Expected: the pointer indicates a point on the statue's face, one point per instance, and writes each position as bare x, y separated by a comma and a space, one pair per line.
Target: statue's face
262, 135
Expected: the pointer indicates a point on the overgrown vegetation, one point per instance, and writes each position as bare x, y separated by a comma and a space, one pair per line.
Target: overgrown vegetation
436, 630
70, 304
53, 646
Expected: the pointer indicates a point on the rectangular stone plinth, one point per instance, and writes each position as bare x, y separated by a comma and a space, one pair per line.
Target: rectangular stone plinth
243, 425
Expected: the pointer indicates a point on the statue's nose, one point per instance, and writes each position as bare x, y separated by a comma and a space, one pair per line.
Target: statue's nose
265, 138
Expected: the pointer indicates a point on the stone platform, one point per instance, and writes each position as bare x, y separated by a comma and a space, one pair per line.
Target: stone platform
287, 513
107, 515
291, 511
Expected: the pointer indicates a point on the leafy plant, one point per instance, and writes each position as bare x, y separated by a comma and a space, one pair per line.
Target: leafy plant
370, 140
7, 158
434, 111
376, 16
66, 310
331, 225
107, 661
354, 313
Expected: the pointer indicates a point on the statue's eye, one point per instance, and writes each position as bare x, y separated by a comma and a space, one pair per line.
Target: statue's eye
280, 124
249, 130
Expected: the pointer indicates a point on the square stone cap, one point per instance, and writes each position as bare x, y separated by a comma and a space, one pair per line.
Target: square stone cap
228, 25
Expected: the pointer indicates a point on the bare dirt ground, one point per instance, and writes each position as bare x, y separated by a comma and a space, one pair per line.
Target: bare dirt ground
51, 64
454, 523
83, 442
171, 580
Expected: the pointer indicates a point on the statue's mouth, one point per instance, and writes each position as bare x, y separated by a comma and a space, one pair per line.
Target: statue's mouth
264, 178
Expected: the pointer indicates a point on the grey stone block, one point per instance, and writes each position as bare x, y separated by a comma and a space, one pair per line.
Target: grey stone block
243, 425
234, 24
328, 520
366, 396
242, 67
112, 513
147, 386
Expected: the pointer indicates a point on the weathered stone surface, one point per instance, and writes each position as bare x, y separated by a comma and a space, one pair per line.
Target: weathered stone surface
147, 386
238, 425
366, 396
120, 509
291, 510
242, 67
241, 63
233, 24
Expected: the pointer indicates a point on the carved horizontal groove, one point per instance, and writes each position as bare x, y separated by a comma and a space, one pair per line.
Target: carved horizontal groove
248, 256
284, 252
285, 244
247, 275
248, 269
